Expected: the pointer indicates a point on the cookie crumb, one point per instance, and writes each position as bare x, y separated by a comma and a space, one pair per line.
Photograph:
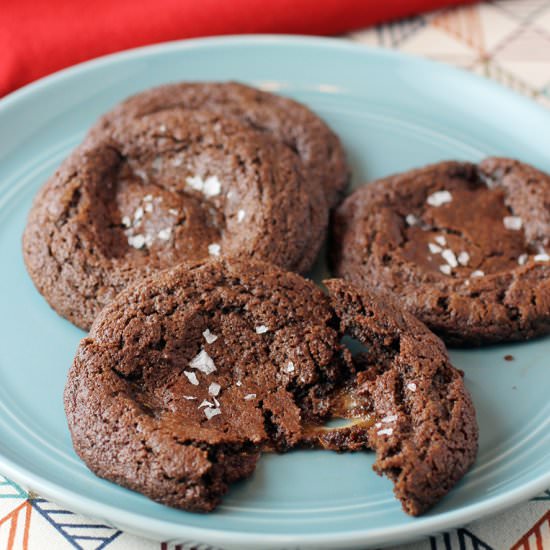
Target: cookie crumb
439, 197
509, 357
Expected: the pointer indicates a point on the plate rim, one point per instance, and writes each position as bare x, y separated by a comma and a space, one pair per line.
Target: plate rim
131, 521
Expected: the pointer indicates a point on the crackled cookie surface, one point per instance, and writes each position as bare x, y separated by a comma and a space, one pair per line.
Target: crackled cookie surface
407, 402
463, 246
288, 121
186, 377
167, 187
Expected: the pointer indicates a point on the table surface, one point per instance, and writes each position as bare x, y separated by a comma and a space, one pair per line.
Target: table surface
505, 40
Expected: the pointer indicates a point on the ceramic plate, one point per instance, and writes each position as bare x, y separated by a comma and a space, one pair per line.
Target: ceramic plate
393, 113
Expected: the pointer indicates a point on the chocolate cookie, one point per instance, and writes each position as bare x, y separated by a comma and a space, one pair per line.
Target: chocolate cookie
286, 120
187, 377
407, 402
171, 186
462, 246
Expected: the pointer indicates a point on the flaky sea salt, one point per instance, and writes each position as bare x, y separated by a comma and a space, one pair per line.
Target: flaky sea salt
192, 377
385, 431
240, 215
203, 362
173, 211
164, 234
141, 174
205, 403
210, 413
477, 273
238, 383
463, 258
126, 221
137, 241
542, 257
445, 268
210, 187
209, 337
440, 239
389, 418
439, 197
449, 256
434, 248
214, 249
289, 367
148, 207
513, 223
177, 161
411, 386
157, 164
522, 260
249, 396
214, 389
261, 329
190, 397
411, 219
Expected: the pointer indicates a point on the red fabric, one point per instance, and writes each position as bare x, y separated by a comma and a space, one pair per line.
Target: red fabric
38, 37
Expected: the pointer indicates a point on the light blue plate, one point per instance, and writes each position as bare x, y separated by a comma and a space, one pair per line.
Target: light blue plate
393, 112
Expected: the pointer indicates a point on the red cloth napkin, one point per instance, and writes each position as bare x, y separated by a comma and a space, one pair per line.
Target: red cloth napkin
38, 37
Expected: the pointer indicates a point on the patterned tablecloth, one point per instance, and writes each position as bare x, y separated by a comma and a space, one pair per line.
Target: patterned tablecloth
508, 41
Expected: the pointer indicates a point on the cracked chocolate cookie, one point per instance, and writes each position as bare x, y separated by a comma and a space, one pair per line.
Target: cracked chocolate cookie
188, 376
462, 246
286, 120
406, 401
167, 187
